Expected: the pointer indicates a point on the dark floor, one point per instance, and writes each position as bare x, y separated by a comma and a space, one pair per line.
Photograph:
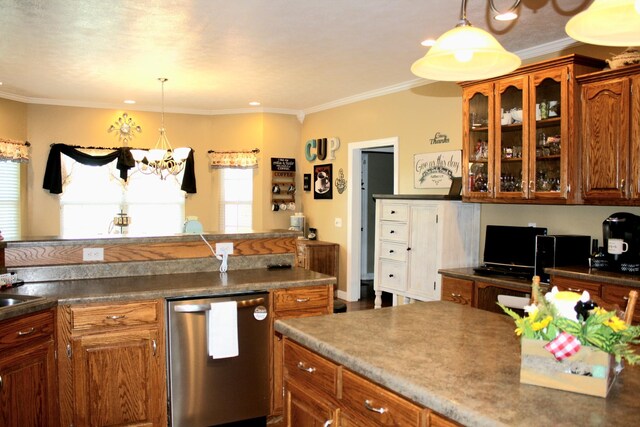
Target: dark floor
367, 297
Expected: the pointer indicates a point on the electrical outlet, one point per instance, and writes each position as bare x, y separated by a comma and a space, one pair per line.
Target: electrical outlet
92, 254
338, 222
531, 224
224, 248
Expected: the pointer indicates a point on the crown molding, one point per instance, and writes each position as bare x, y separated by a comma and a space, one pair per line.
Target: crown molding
548, 48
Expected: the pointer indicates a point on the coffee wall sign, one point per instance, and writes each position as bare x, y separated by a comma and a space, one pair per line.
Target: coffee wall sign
321, 149
436, 170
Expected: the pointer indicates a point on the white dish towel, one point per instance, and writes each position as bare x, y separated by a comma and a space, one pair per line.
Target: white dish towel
222, 330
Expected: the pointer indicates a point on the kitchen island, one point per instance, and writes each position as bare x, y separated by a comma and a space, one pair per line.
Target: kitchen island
460, 362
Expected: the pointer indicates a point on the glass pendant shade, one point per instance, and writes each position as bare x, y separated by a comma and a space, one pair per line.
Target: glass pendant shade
180, 154
465, 53
607, 23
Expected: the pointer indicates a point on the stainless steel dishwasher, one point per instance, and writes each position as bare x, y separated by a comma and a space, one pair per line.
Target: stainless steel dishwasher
203, 391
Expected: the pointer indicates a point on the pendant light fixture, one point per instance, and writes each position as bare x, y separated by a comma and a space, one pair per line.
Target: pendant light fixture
465, 53
161, 160
607, 23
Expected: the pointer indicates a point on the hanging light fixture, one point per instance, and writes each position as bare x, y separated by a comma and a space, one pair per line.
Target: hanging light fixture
161, 160
509, 15
465, 53
607, 23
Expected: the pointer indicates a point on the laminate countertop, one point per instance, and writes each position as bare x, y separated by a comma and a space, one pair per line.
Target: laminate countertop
461, 362
160, 286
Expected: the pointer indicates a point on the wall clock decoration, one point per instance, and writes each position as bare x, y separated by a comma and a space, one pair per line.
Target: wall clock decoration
125, 128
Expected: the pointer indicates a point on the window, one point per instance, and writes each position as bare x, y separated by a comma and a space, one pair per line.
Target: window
236, 200
10, 200
94, 195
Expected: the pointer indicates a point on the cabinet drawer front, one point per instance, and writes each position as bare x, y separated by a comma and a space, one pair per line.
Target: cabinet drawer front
395, 251
300, 298
395, 212
618, 295
310, 370
392, 275
457, 290
574, 285
362, 398
25, 330
113, 315
394, 231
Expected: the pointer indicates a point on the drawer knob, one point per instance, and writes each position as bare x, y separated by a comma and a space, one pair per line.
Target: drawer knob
579, 291
369, 406
392, 232
1, 384
391, 251
302, 299
303, 367
27, 332
121, 316
392, 212
391, 275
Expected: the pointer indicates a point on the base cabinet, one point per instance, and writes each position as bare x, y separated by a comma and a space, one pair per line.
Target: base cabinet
289, 303
112, 364
27, 371
322, 393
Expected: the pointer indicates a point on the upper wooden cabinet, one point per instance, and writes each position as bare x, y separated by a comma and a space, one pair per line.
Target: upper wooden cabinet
519, 134
610, 136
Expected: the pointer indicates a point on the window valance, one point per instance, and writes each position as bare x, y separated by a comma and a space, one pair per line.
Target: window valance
125, 162
233, 159
14, 151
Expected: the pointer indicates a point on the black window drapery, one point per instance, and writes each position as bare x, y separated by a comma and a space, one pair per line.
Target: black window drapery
53, 171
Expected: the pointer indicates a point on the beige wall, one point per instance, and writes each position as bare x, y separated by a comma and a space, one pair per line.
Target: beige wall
414, 116
274, 134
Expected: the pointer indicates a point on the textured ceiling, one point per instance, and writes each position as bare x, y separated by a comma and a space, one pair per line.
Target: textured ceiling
219, 55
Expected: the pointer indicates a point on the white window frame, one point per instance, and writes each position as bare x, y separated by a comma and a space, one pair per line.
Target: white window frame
10, 212
238, 201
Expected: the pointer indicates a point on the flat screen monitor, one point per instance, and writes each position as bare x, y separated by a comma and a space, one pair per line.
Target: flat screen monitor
511, 246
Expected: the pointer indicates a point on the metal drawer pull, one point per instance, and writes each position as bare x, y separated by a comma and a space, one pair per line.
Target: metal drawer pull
121, 316
456, 295
1, 382
367, 404
194, 308
303, 367
154, 346
327, 423
29, 332
575, 290
303, 299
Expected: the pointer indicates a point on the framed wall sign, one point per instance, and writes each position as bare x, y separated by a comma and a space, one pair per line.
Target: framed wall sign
436, 170
322, 181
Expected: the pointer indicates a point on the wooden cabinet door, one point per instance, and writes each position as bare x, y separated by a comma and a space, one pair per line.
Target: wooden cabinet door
605, 140
304, 409
27, 387
477, 147
277, 383
635, 136
119, 379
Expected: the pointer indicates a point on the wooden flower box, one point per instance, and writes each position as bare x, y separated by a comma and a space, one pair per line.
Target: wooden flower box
590, 371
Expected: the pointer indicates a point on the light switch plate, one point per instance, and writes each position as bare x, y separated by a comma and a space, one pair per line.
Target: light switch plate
338, 222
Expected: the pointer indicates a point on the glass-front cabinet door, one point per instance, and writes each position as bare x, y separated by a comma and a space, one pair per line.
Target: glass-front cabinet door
549, 135
510, 150
478, 141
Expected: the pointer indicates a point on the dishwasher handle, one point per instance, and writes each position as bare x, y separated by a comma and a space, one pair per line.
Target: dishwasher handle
195, 308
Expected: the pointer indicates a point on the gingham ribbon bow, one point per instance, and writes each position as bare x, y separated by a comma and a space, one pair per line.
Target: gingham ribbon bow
563, 346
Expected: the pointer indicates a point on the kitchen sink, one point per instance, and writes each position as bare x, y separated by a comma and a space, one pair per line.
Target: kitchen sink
11, 300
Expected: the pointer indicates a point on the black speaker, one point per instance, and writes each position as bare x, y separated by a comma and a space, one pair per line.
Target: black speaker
561, 251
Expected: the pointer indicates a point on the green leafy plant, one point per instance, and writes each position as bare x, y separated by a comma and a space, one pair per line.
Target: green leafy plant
602, 329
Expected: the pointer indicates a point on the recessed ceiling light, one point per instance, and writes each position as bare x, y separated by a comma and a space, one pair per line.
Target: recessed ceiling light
254, 103
428, 42
129, 101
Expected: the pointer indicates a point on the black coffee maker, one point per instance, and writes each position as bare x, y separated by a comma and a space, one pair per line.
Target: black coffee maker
623, 252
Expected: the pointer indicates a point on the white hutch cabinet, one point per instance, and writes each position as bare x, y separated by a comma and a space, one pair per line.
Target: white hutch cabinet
415, 237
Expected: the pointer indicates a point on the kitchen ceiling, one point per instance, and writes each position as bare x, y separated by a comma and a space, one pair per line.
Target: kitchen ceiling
292, 56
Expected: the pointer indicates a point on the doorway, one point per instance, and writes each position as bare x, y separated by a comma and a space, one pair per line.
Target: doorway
357, 244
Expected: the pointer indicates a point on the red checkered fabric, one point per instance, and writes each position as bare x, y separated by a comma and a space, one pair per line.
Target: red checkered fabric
563, 346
